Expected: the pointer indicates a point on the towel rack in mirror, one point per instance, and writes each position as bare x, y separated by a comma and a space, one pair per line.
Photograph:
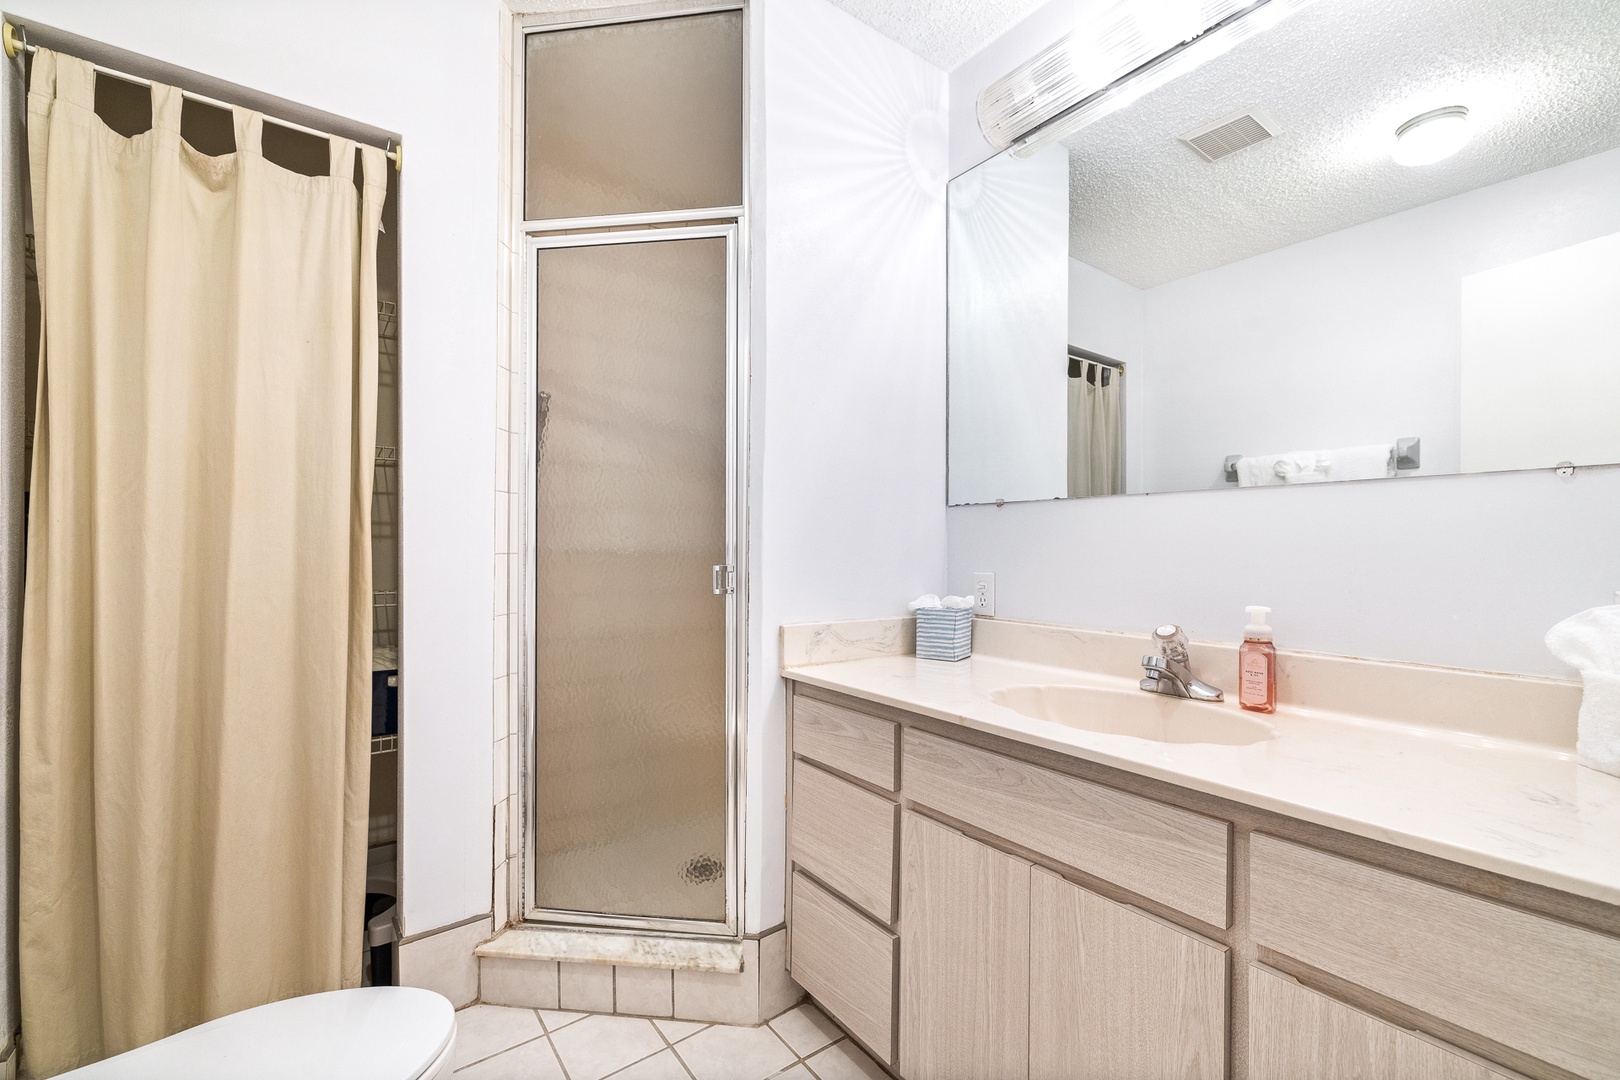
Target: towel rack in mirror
1408, 455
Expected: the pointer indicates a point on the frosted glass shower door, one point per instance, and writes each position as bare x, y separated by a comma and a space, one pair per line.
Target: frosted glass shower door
633, 351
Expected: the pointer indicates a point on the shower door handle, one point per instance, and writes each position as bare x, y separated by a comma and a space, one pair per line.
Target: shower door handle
725, 579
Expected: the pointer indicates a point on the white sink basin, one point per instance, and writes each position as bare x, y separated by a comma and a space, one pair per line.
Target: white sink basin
1135, 713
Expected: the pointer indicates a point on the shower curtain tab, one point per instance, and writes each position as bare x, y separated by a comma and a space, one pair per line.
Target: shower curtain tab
15, 41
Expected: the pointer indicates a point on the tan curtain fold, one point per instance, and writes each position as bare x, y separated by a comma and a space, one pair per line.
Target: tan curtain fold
197, 615
1096, 461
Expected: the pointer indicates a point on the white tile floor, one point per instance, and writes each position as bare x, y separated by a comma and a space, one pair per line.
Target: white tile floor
494, 1042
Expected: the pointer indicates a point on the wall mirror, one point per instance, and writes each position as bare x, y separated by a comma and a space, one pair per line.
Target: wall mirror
1245, 277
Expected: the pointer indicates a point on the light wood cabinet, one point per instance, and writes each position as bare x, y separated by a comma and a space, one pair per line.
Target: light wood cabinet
1295, 1032
865, 747
1118, 995
1535, 984
1160, 851
846, 962
845, 836
974, 911
964, 957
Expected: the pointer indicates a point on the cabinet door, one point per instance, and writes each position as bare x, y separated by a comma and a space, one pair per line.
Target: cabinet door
1296, 1032
964, 957
1119, 995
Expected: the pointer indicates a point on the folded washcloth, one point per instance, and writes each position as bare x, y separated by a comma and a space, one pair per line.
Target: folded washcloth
929, 601
1361, 462
1590, 643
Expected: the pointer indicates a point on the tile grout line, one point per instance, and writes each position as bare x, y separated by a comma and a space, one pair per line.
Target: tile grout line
670, 1046
502, 1050
551, 1045
558, 1056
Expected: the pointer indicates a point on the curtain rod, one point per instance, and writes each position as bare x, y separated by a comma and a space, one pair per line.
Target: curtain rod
1077, 353
15, 40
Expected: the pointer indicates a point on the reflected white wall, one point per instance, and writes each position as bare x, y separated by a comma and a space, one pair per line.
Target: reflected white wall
1357, 336
1541, 359
1009, 329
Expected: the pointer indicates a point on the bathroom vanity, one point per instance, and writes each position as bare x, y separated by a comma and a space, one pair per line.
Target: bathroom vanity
988, 877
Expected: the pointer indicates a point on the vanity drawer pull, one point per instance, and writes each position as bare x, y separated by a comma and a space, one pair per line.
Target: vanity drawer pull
1543, 987
845, 836
843, 739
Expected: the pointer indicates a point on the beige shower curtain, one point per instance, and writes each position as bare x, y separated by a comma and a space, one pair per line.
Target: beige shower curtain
197, 616
1096, 463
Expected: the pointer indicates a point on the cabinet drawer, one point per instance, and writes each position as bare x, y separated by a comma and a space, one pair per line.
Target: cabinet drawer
1159, 851
846, 963
844, 835
1296, 1032
1543, 987
843, 739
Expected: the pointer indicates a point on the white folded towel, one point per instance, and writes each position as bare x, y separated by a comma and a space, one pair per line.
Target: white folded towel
1317, 466
929, 601
1269, 470
1590, 643
1361, 462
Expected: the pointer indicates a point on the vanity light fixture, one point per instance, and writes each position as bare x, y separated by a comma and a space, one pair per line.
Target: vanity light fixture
1432, 136
1125, 49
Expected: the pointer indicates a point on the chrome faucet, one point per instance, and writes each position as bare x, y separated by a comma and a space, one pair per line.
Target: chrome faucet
1168, 673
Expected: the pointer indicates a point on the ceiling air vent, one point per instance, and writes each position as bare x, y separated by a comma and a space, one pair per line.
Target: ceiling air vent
1230, 134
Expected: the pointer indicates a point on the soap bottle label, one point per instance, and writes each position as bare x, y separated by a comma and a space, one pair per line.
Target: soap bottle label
1255, 678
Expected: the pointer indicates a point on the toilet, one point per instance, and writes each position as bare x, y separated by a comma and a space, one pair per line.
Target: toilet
368, 1033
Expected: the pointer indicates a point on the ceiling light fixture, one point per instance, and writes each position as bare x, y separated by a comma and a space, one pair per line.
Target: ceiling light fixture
1432, 136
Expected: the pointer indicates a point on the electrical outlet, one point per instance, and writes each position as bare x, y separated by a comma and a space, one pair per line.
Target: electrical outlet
984, 594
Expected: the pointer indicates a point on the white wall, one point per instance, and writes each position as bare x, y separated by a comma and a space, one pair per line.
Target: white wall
427, 69
1354, 337
849, 365
1463, 571
1466, 570
1008, 249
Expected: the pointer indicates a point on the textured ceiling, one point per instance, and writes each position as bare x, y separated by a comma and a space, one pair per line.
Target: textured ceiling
943, 32
1540, 79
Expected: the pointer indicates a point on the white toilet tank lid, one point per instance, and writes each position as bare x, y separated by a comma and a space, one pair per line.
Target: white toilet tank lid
368, 1033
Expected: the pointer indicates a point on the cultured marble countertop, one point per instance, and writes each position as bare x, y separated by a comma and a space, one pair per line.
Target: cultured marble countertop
1518, 808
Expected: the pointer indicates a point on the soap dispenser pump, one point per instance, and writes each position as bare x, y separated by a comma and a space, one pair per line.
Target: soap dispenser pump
1257, 664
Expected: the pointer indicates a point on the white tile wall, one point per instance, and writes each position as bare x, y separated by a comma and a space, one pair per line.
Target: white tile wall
510, 446
445, 962
762, 988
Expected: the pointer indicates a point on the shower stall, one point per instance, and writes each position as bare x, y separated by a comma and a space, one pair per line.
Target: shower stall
632, 200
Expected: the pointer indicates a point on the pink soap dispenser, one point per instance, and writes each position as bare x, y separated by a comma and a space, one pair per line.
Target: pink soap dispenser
1257, 664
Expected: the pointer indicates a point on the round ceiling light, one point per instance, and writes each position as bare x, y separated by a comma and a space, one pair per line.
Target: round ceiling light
1432, 136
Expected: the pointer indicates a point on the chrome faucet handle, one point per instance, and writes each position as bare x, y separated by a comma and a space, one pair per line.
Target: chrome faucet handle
1170, 673
1172, 643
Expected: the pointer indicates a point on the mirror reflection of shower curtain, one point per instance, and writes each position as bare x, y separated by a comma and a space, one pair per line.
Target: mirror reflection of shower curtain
1096, 454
